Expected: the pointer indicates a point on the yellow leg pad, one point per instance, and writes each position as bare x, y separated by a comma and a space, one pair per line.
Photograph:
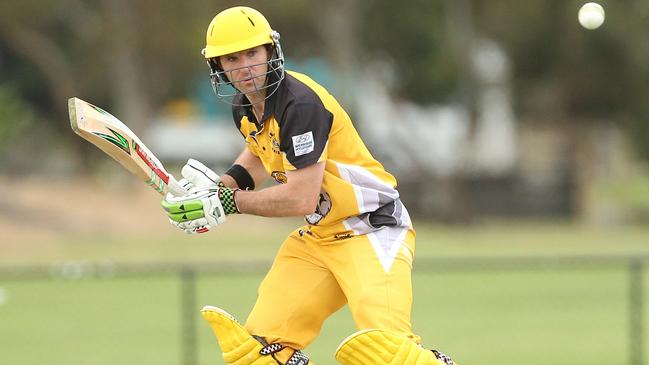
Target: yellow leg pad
237, 345
378, 347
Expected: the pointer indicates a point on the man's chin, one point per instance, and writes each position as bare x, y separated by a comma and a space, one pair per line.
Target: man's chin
245, 87
247, 91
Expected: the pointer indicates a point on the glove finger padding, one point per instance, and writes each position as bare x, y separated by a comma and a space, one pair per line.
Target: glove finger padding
175, 202
190, 227
186, 184
199, 175
195, 211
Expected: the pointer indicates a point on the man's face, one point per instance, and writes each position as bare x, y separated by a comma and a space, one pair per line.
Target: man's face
246, 69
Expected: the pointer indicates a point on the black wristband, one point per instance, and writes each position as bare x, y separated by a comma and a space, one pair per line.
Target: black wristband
242, 177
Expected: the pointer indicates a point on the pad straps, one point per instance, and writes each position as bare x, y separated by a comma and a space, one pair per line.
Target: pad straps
298, 357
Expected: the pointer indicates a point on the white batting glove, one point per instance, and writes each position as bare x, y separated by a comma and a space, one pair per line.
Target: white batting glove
201, 176
196, 176
200, 211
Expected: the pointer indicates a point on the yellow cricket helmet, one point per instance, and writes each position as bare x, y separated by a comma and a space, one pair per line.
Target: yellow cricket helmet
236, 29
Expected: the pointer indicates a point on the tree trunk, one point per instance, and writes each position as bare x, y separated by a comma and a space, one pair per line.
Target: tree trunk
46, 57
132, 102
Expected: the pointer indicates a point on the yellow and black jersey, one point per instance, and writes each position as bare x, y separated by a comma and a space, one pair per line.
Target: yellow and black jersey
302, 125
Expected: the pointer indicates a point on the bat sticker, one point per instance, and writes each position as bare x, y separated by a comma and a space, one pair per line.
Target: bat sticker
118, 140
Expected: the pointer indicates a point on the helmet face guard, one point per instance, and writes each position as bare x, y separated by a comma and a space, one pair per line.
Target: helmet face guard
226, 90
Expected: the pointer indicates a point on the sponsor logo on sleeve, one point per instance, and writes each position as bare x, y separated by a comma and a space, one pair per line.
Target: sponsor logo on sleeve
303, 143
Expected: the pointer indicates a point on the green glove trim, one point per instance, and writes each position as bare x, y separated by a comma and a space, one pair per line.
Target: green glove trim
186, 216
187, 206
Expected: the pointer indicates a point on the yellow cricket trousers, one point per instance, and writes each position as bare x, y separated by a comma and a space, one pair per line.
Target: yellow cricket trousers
313, 277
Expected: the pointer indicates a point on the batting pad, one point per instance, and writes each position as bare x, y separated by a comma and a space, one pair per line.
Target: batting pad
237, 345
380, 347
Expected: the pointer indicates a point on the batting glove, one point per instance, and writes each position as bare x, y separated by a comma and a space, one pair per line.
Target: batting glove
197, 176
202, 210
201, 176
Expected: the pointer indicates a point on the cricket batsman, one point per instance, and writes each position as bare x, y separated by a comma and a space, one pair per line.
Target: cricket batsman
358, 243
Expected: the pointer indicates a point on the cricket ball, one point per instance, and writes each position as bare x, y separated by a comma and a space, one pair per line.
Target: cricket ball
591, 16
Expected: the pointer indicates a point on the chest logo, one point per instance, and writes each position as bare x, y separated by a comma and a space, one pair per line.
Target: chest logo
303, 143
279, 176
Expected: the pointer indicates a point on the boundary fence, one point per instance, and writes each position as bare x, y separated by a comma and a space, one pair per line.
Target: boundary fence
187, 273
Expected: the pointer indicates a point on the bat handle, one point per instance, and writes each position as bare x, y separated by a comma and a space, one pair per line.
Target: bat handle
174, 187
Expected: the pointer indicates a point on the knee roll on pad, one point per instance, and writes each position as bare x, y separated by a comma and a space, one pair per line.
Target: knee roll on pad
241, 348
379, 347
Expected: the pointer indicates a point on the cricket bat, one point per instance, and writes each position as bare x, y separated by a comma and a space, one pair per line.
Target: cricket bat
109, 134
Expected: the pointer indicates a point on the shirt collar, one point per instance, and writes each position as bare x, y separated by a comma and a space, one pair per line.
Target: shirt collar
269, 104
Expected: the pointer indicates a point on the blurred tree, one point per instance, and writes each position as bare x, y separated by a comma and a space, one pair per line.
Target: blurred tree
133, 56
17, 127
634, 33
413, 35
129, 56
26, 32
561, 68
577, 79
16, 117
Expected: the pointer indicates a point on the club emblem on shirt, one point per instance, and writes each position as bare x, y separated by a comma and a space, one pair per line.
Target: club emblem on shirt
279, 176
275, 144
321, 211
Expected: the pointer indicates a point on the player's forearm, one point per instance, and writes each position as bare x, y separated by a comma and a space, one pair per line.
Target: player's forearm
299, 196
253, 166
276, 201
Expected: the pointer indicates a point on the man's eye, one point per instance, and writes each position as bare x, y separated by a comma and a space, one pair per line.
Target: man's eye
231, 59
252, 53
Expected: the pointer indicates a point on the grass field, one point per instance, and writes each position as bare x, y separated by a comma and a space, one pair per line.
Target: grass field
558, 315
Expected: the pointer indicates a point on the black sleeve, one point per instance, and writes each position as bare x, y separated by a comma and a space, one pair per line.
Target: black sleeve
304, 132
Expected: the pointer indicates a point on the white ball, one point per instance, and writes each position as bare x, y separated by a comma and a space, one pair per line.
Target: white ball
591, 16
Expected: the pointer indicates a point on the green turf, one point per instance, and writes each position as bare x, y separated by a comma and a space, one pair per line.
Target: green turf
556, 315
509, 317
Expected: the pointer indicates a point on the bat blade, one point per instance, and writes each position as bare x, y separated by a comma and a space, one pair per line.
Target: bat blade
109, 134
